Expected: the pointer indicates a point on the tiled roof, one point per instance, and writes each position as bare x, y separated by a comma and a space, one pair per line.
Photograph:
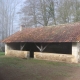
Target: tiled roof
60, 33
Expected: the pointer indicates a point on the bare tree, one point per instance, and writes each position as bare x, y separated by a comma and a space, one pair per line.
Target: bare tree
52, 5
65, 11
76, 9
7, 17
68, 11
28, 13
38, 12
50, 12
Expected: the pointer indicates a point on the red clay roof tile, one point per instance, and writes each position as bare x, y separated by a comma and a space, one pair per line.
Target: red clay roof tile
60, 33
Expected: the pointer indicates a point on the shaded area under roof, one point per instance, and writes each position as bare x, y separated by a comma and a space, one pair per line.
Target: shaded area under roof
59, 33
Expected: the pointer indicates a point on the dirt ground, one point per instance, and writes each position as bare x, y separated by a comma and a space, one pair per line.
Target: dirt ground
21, 69
75, 75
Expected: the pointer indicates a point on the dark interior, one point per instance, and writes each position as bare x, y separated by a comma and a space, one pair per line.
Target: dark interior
63, 48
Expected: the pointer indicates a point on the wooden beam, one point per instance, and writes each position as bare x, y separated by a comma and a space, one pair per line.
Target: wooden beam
41, 48
22, 46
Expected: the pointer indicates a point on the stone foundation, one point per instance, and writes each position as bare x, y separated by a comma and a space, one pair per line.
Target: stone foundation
16, 53
55, 57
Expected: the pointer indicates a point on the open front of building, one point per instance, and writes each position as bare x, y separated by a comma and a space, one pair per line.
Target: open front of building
67, 52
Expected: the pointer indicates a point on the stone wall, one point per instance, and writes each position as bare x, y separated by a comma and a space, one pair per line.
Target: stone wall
16, 53
76, 50
55, 57
78, 47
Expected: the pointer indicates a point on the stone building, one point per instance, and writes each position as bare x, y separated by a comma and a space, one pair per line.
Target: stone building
55, 43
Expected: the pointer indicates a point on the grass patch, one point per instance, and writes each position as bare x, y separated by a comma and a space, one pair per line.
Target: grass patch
62, 74
52, 63
19, 61
34, 69
2, 53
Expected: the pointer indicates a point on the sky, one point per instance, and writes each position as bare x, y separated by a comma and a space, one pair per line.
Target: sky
16, 23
